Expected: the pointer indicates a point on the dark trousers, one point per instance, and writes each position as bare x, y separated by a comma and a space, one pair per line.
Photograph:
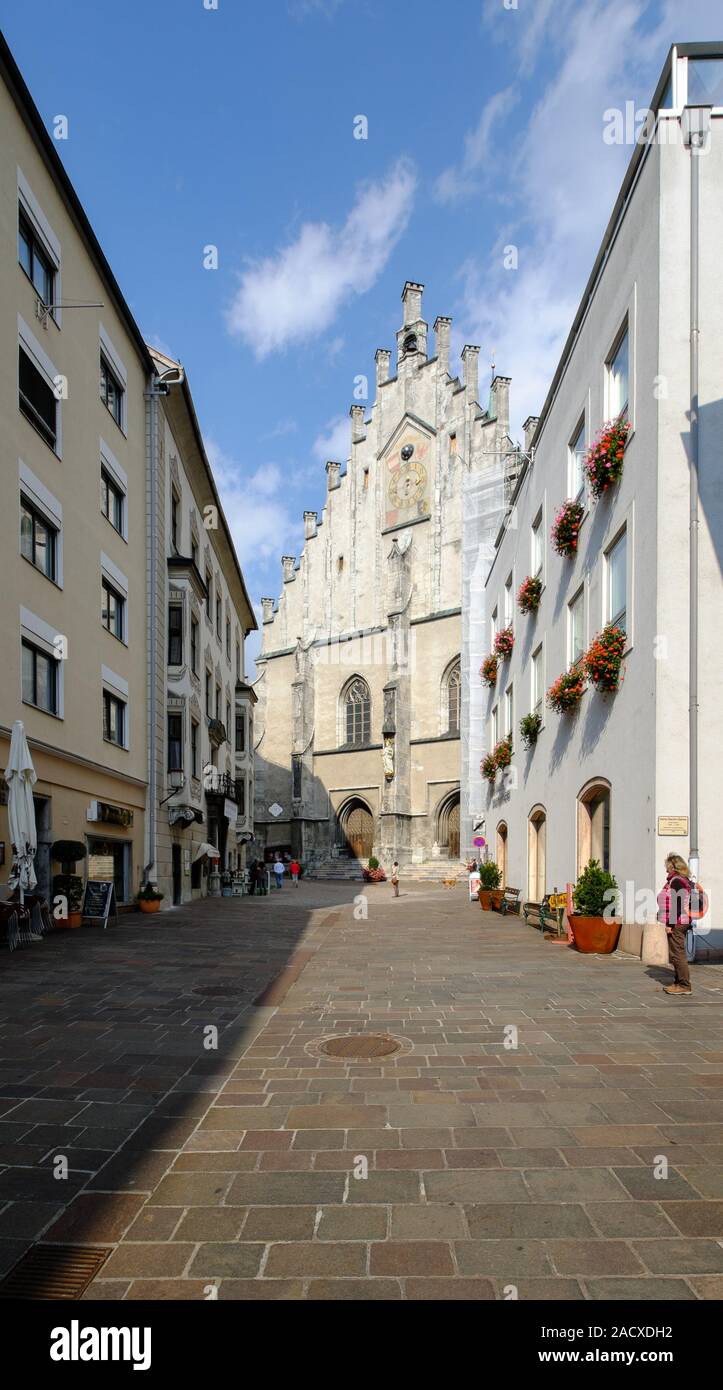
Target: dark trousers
678, 959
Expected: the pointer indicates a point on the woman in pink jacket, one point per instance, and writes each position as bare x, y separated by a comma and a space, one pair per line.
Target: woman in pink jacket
674, 911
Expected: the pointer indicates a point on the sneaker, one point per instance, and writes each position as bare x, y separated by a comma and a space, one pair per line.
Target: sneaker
677, 989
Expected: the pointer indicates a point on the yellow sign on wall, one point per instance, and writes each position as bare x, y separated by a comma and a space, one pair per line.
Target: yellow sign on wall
672, 825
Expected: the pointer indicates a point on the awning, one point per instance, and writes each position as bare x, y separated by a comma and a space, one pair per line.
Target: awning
206, 852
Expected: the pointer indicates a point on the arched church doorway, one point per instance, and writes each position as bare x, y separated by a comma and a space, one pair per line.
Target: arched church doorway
448, 826
356, 824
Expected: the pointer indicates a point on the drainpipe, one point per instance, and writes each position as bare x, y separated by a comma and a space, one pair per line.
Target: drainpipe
695, 125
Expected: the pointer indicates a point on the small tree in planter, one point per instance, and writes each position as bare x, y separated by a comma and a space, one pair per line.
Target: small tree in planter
530, 726
374, 873
149, 898
488, 768
605, 458
68, 884
604, 658
566, 527
594, 923
567, 691
529, 594
488, 670
504, 642
489, 881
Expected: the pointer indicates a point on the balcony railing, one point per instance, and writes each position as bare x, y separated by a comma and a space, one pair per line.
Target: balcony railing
221, 785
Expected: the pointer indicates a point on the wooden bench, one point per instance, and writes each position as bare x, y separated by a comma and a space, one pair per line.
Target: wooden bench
543, 918
510, 901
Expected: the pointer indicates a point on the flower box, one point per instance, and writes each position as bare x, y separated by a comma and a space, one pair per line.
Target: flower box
503, 753
566, 527
529, 594
504, 642
488, 669
488, 768
604, 658
530, 726
567, 691
605, 458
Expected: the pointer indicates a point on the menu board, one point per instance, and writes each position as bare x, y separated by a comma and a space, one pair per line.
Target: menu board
99, 900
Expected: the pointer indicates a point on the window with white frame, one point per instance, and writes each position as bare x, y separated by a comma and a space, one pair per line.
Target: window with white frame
538, 680
114, 598
115, 708
618, 390
42, 665
508, 608
495, 725
36, 397
494, 624
617, 581
705, 81
113, 491
509, 711
38, 247
39, 539
113, 381
537, 545
576, 627
576, 458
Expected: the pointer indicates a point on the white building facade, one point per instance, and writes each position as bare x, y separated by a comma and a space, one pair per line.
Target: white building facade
611, 780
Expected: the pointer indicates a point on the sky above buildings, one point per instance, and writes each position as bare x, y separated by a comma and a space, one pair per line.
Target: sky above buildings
234, 127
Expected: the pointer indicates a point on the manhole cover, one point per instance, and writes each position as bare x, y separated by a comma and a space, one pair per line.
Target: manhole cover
362, 1047
54, 1271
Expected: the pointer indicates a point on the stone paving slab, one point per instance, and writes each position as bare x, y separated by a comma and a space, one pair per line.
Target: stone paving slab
452, 1169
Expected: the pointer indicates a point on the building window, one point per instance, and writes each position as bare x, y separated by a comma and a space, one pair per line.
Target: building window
218, 613
194, 748
114, 719
218, 702
357, 712
209, 710
175, 511
617, 373
593, 825
452, 444
453, 692
228, 639
35, 261
241, 796
537, 546
617, 581
240, 733
705, 81
576, 451
194, 646
38, 540
209, 583
37, 399
194, 548
111, 391
509, 711
40, 679
111, 501
509, 610
228, 717
576, 627
495, 623
538, 681
175, 742
296, 776
112, 612
238, 660
175, 634
495, 725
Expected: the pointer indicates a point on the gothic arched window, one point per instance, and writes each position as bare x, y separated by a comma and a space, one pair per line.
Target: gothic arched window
452, 686
356, 712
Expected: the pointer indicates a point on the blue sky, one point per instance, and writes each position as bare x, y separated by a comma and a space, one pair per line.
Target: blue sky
234, 127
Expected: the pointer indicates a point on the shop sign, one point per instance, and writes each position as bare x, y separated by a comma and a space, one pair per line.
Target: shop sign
230, 810
672, 825
101, 866
109, 815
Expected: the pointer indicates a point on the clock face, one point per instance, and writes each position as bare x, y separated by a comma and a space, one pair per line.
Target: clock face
407, 485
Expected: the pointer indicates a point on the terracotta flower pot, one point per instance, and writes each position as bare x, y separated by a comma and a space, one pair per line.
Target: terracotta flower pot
73, 919
149, 904
496, 897
594, 934
485, 899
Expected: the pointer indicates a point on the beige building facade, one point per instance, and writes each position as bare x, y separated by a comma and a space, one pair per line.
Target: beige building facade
359, 682
72, 511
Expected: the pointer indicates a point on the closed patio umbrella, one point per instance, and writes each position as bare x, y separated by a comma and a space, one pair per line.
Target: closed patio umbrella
206, 851
20, 776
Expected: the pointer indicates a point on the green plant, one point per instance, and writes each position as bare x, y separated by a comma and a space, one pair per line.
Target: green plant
529, 595
566, 526
149, 894
488, 768
595, 891
67, 853
373, 862
489, 875
567, 691
530, 726
70, 887
488, 669
604, 658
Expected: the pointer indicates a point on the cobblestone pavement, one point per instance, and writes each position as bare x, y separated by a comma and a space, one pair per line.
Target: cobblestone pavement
238, 1172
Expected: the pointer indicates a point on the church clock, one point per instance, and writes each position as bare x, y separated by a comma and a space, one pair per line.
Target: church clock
407, 485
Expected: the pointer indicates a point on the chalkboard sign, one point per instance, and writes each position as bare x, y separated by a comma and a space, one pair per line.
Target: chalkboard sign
99, 901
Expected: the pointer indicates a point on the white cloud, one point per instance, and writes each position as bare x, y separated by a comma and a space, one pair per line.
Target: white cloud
462, 180
301, 9
261, 525
560, 180
296, 294
334, 441
283, 427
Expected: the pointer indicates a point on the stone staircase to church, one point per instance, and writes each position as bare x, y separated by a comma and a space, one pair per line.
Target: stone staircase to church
432, 871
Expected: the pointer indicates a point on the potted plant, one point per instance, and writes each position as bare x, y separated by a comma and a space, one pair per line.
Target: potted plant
530, 726
604, 658
149, 899
605, 458
68, 884
566, 527
374, 873
594, 924
567, 691
503, 753
488, 669
529, 594
488, 768
504, 642
489, 880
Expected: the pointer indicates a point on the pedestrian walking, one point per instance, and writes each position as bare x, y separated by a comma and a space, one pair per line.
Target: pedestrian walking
294, 870
279, 871
674, 912
261, 878
474, 882
252, 877
395, 878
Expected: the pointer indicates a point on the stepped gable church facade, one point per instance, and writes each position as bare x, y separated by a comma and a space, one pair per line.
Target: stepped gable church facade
359, 684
